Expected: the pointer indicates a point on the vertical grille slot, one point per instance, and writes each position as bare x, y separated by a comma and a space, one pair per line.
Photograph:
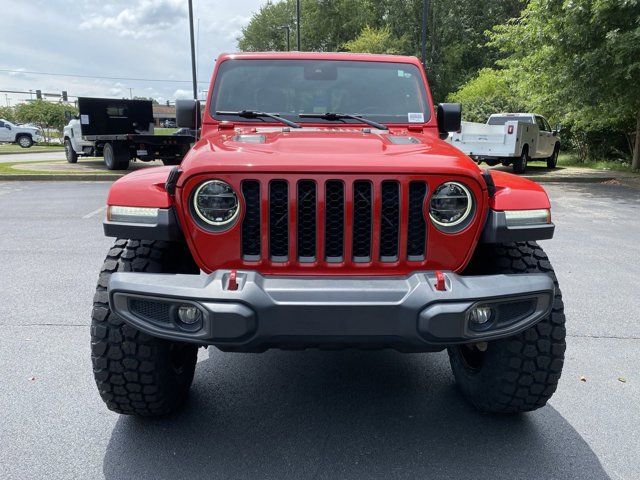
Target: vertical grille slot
362, 221
334, 221
417, 232
278, 221
390, 221
307, 220
251, 222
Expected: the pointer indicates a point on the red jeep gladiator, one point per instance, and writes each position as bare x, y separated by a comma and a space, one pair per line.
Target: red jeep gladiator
321, 208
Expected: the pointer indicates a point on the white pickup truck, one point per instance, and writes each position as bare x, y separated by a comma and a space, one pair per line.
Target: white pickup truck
510, 139
23, 136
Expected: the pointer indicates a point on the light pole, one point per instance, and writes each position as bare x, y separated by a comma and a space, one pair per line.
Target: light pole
193, 52
288, 29
423, 33
298, 26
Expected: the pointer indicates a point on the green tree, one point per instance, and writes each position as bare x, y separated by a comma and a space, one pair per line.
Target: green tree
45, 115
376, 40
6, 113
457, 38
489, 92
578, 61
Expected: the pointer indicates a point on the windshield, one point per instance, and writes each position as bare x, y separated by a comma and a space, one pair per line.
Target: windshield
383, 92
508, 118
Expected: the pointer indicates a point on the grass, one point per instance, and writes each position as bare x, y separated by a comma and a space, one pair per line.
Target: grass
7, 169
11, 148
571, 160
164, 131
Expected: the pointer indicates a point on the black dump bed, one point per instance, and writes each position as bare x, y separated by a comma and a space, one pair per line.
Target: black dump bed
108, 116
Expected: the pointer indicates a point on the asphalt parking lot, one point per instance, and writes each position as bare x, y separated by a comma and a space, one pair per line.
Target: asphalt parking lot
311, 414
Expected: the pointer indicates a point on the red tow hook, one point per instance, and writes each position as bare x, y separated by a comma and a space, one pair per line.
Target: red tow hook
441, 284
233, 280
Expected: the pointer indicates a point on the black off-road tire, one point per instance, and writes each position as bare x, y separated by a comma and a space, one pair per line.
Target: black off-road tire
138, 374
116, 156
552, 161
69, 152
24, 140
519, 373
520, 163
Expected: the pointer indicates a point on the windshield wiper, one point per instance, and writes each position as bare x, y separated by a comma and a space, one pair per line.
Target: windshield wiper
340, 116
254, 114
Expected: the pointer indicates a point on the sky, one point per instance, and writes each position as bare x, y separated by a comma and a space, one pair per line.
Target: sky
141, 39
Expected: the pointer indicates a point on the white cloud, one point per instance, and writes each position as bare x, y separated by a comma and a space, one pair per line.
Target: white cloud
146, 39
149, 18
180, 93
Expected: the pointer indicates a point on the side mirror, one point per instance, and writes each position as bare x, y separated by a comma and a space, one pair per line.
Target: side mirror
449, 118
188, 114
8, 127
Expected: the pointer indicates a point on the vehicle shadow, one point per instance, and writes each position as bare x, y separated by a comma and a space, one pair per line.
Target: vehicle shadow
532, 169
341, 415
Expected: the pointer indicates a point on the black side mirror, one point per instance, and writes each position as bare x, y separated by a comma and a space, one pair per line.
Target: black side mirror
8, 127
558, 128
188, 114
449, 118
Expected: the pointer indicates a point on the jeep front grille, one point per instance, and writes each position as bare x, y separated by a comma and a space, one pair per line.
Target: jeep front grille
335, 221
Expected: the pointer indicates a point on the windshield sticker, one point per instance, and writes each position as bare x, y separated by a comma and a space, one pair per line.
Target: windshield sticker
401, 73
415, 117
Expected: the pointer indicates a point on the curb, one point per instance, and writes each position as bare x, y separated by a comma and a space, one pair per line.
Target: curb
32, 153
80, 177
573, 179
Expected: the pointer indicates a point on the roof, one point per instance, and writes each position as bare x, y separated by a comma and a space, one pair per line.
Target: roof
366, 57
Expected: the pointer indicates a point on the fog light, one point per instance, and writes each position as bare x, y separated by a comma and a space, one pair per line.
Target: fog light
480, 315
189, 314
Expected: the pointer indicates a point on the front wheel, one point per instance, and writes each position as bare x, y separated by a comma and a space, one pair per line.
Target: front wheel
138, 374
552, 161
518, 373
70, 153
25, 141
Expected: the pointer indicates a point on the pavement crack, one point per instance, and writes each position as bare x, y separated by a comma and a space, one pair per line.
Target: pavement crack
612, 337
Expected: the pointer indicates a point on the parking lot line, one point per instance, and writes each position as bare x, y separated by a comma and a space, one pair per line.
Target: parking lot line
95, 212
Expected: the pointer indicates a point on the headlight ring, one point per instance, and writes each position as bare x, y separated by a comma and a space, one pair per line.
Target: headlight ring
215, 205
451, 207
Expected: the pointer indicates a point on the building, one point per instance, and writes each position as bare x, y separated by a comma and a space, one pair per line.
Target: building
162, 113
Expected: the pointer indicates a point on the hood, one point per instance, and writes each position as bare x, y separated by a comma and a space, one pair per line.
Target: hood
343, 150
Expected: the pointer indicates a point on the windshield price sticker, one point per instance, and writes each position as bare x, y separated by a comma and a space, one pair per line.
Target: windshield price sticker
415, 117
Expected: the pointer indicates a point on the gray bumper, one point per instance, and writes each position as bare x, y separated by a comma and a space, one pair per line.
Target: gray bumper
407, 313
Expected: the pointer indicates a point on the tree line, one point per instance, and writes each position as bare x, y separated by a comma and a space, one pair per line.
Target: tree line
577, 62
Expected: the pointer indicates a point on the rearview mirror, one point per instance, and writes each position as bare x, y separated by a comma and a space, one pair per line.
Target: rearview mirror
449, 118
188, 114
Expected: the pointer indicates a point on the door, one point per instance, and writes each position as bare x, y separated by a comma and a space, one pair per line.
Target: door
5, 132
545, 138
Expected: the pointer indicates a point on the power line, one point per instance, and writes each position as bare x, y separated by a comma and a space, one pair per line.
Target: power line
164, 80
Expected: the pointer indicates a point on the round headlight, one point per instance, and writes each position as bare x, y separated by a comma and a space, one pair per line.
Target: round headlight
216, 204
451, 206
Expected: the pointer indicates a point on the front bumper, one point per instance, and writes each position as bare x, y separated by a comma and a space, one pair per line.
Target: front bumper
406, 313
